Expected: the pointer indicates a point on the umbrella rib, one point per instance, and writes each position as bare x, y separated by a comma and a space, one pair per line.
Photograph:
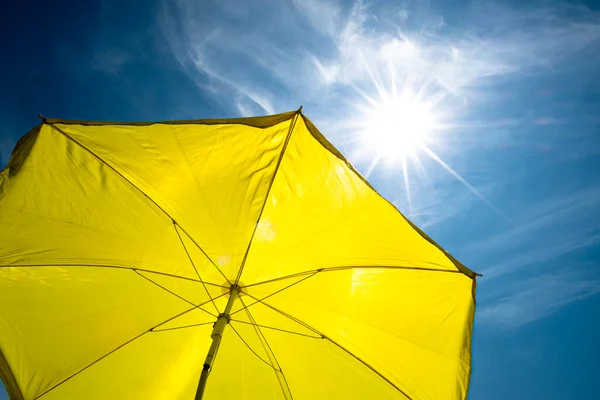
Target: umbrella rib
137, 188
274, 293
285, 144
183, 327
176, 295
331, 269
194, 265
251, 349
201, 250
367, 365
198, 306
270, 352
337, 345
105, 266
276, 329
116, 349
290, 317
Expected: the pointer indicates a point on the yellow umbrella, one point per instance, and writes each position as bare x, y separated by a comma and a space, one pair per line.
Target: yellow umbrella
139, 259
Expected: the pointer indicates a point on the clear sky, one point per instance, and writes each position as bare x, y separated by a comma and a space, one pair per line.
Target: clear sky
500, 165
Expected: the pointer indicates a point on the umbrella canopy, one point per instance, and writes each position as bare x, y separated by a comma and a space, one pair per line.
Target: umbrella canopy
137, 257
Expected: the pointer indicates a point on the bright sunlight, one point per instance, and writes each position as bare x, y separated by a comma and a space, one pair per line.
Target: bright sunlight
396, 128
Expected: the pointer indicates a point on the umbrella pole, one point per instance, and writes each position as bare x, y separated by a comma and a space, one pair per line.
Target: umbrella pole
217, 335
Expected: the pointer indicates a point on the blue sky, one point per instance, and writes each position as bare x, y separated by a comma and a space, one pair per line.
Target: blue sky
507, 179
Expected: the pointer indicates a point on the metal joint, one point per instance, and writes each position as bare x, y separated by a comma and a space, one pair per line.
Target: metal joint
226, 316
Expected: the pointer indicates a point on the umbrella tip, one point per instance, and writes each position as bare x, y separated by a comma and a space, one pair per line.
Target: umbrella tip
44, 120
299, 110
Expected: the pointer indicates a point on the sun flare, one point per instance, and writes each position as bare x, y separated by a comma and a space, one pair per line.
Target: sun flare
396, 128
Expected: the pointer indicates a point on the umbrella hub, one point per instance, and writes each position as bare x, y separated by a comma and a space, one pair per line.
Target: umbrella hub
227, 287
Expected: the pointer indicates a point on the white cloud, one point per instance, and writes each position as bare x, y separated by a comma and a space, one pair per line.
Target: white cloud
297, 46
329, 74
528, 40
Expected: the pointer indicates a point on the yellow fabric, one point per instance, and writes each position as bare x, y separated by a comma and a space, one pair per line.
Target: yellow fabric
119, 243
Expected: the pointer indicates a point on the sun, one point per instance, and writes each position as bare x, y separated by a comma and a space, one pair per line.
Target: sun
400, 127
395, 128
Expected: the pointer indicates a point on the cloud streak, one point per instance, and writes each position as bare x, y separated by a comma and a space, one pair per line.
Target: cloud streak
535, 252
527, 301
549, 229
216, 57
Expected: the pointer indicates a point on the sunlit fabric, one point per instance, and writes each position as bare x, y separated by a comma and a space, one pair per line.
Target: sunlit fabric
119, 243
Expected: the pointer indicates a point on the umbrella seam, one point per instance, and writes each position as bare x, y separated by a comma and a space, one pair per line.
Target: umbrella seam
192, 172
138, 189
281, 155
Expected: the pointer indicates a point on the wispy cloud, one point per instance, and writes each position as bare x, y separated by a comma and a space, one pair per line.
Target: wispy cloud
321, 51
325, 16
215, 56
532, 299
507, 41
